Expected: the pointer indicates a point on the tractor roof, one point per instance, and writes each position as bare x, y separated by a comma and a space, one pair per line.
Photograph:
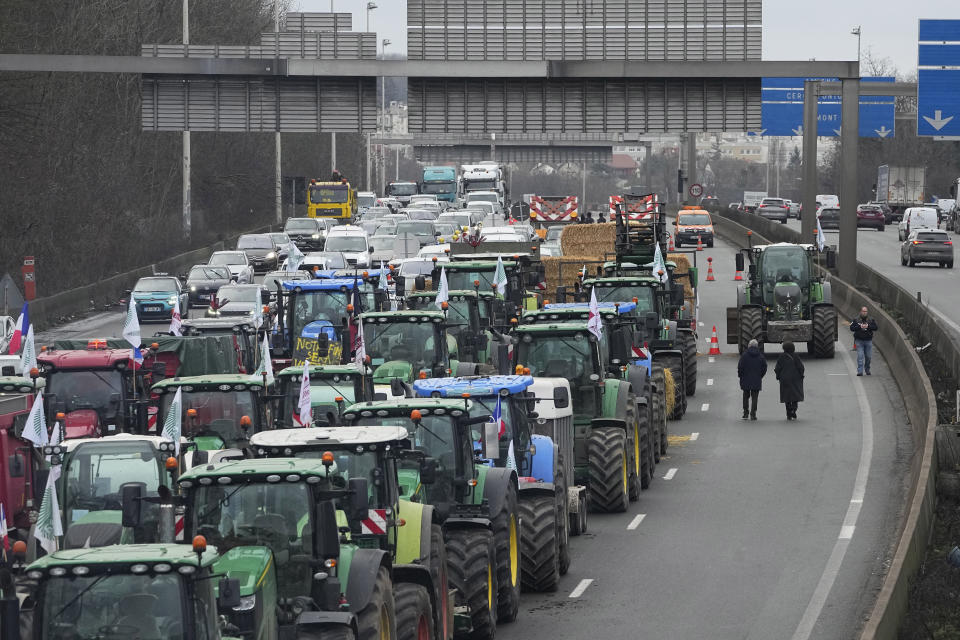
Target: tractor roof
226, 323
317, 438
604, 307
554, 327
221, 380
457, 293
348, 274
257, 470
403, 406
764, 247
477, 265
84, 358
635, 280
474, 386
325, 284
157, 442
124, 558
410, 315
325, 371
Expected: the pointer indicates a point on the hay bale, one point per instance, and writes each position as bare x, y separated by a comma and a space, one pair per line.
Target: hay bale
683, 266
596, 240
564, 271
669, 390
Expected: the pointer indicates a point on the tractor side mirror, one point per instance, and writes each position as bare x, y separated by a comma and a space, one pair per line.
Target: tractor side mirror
428, 471
831, 259
676, 296
323, 344
265, 296
20, 421
752, 271
561, 296
328, 538
491, 440
131, 496
419, 283
369, 249
359, 499
228, 594
15, 466
651, 322
739, 260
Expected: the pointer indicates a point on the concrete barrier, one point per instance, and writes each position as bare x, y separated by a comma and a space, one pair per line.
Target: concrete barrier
52, 310
890, 607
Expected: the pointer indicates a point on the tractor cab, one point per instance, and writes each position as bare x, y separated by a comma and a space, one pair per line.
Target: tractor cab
242, 335
526, 280
470, 321
620, 322
780, 275
332, 389
21, 475
406, 345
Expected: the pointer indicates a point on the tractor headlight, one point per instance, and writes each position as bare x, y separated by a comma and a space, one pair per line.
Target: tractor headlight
246, 603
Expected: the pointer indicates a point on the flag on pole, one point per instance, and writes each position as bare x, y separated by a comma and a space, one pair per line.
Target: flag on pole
658, 265
3, 532
511, 457
500, 277
23, 324
35, 429
305, 409
172, 424
443, 290
295, 257
820, 241
258, 315
594, 321
360, 349
28, 357
498, 418
583, 272
49, 525
175, 320
266, 364
383, 277
131, 331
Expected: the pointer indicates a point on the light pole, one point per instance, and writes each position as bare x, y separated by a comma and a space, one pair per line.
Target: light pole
383, 118
370, 7
856, 32
185, 157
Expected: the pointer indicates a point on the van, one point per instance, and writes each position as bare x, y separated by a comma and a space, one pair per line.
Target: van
692, 224
828, 201
917, 218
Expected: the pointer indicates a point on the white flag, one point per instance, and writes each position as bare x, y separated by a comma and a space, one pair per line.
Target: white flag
28, 356
500, 277
305, 417
266, 364
360, 354
658, 265
131, 325
258, 315
49, 525
294, 257
35, 430
820, 241
173, 422
383, 277
511, 457
443, 290
56, 437
594, 321
175, 320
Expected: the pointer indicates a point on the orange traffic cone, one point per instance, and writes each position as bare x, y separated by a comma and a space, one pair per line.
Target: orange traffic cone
699, 244
710, 277
714, 343
738, 277
670, 246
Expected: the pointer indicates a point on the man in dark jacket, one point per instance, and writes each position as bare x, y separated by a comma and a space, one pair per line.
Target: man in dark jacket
789, 370
863, 329
751, 369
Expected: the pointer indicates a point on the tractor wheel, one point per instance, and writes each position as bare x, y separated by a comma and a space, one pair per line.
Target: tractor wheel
325, 632
414, 615
824, 323
679, 392
609, 478
689, 347
646, 449
578, 520
440, 575
562, 521
378, 619
659, 414
751, 326
506, 533
473, 573
541, 544
634, 452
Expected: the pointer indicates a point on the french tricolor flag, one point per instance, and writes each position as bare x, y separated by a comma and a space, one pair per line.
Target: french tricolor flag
23, 324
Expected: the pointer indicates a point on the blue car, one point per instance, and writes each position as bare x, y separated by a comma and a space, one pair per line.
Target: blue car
155, 296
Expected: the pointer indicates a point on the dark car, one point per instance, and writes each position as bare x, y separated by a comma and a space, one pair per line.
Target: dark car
870, 216
261, 251
889, 216
774, 209
927, 245
306, 233
829, 218
203, 281
711, 204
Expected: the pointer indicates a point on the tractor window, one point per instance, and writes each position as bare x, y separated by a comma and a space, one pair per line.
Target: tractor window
113, 605
784, 264
99, 391
570, 356
330, 306
412, 342
323, 394
646, 300
218, 415
513, 428
95, 473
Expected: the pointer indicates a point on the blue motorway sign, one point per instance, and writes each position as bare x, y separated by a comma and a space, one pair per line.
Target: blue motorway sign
782, 110
938, 79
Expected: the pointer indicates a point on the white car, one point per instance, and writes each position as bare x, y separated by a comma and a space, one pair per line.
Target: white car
241, 271
501, 234
917, 218
439, 250
352, 242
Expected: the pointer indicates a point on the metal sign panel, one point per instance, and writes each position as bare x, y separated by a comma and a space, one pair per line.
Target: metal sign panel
938, 79
463, 154
783, 110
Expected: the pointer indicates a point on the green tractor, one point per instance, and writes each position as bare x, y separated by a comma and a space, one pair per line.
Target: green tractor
783, 300
477, 503
409, 531
608, 455
332, 389
134, 591
284, 517
525, 281
405, 345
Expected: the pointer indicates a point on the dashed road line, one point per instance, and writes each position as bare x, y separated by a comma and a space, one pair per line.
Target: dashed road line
578, 591
709, 382
636, 521
670, 473
705, 406
711, 359
846, 532
694, 436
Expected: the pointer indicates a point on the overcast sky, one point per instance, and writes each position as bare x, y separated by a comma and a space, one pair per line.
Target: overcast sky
791, 30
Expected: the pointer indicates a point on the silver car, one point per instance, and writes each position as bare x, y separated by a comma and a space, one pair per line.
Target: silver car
927, 245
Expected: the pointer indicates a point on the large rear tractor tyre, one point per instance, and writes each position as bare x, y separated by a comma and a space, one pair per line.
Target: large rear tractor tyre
414, 614
609, 477
689, 346
679, 388
751, 326
378, 620
325, 632
473, 573
541, 543
562, 520
659, 413
506, 533
647, 447
824, 331
441, 577
634, 453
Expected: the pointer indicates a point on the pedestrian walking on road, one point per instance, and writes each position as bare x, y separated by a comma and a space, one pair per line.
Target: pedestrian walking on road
751, 369
789, 371
863, 328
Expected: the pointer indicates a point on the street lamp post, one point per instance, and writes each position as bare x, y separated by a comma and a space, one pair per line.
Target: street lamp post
383, 118
369, 187
370, 7
856, 32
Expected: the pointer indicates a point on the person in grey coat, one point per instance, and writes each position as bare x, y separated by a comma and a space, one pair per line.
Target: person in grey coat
751, 369
789, 371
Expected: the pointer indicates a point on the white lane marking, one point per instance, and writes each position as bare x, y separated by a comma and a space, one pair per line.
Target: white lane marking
576, 593
670, 473
694, 436
709, 382
705, 406
701, 324
819, 597
837, 374
711, 359
636, 521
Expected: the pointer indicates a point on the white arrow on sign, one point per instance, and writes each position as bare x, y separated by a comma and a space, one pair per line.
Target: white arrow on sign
938, 121
837, 131
759, 133
883, 132
799, 130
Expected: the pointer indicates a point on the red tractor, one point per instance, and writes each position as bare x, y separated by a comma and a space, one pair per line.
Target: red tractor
19, 482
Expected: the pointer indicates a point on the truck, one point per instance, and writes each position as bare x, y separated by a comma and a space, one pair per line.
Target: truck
484, 176
752, 200
401, 191
900, 187
441, 182
550, 210
331, 200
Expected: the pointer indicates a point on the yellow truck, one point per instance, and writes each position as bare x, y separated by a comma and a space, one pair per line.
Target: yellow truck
334, 200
